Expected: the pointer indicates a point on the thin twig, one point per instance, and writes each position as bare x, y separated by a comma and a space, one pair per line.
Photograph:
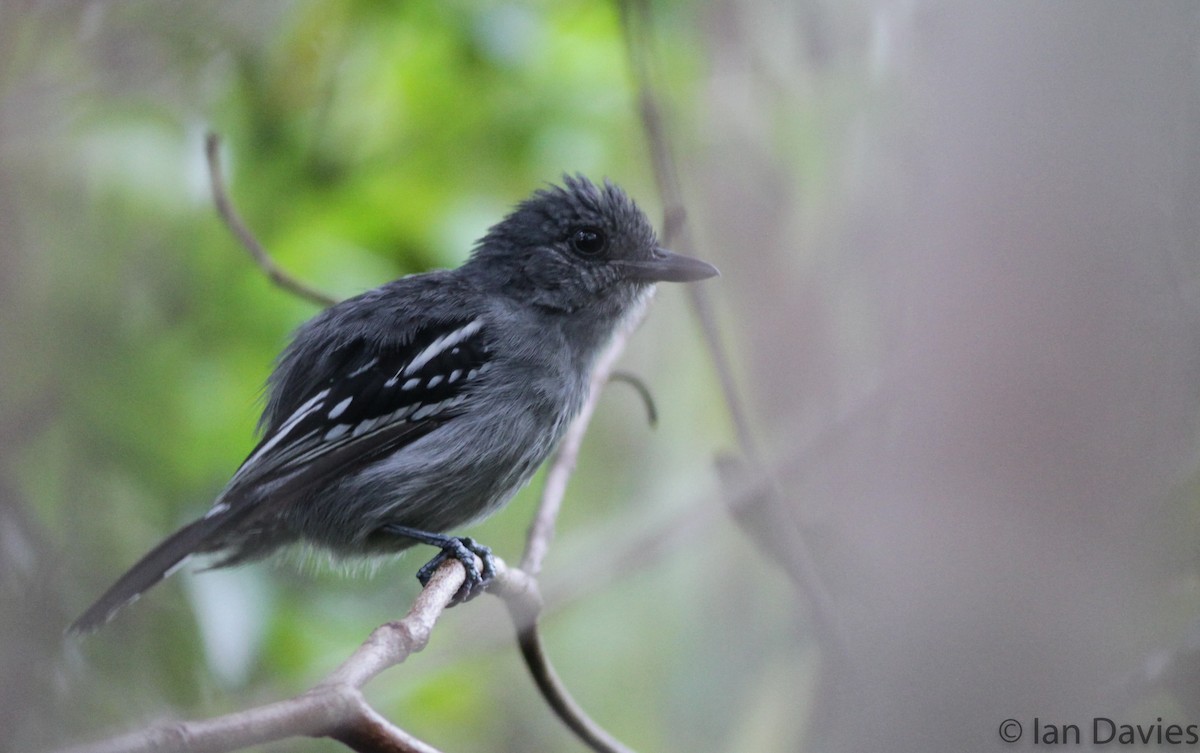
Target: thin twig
523, 599
541, 530
525, 607
637, 23
634, 381
212, 149
555, 693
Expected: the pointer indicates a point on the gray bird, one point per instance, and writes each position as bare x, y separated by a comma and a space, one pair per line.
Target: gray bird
426, 403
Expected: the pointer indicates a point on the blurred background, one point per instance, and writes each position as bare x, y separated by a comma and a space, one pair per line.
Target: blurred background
960, 293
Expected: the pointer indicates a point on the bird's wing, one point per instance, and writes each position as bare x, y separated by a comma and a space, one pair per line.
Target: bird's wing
377, 398
372, 401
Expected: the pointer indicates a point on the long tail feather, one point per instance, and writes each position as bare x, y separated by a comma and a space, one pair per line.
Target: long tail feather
159, 563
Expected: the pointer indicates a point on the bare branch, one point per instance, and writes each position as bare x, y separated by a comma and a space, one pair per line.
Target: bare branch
372, 733
212, 148
520, 593
555, 693
392, 642
525, 603
334, 708
541, 530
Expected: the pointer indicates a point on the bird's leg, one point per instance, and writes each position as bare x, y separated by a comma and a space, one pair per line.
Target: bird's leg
462, 548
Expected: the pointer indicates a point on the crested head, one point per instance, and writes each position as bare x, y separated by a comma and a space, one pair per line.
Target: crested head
556, 215
577, 245
580, 204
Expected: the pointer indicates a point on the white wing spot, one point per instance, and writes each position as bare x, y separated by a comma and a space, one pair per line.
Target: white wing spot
435, 381
442, 343
363, 368
217, 509
301, 413
410, 384
426, 411
454, 375
364, 426
336, 432
340, 408
402, 414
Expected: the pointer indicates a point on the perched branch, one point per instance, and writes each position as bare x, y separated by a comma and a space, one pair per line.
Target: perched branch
334, 708
212, 148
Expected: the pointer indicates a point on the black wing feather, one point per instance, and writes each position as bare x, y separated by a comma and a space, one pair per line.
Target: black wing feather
416, 386
375, 400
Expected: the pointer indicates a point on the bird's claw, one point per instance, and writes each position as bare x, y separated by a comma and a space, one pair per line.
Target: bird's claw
465, 550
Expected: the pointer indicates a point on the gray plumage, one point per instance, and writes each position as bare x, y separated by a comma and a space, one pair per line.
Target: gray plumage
426, 403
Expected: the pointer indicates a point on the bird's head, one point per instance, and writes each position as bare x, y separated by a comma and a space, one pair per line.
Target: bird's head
578, 246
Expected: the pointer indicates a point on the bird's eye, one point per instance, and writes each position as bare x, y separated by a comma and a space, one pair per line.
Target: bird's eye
588, 241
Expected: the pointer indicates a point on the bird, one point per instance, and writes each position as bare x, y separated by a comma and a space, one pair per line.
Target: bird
425, 404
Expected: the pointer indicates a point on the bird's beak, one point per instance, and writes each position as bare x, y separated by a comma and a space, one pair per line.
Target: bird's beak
665, 266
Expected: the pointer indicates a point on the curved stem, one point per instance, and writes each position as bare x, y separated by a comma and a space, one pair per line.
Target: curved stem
212, 148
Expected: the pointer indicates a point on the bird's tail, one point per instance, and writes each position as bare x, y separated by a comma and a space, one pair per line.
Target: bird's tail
158, 563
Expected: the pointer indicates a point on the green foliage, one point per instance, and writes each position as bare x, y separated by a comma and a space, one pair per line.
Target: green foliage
362, 141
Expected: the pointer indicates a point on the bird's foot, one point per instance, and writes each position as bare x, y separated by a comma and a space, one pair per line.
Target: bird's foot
465, 550
462, 548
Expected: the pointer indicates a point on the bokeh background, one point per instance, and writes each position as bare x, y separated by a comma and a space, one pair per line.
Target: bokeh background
959, 252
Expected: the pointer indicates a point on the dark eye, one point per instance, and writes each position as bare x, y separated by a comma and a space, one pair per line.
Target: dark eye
588, 241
